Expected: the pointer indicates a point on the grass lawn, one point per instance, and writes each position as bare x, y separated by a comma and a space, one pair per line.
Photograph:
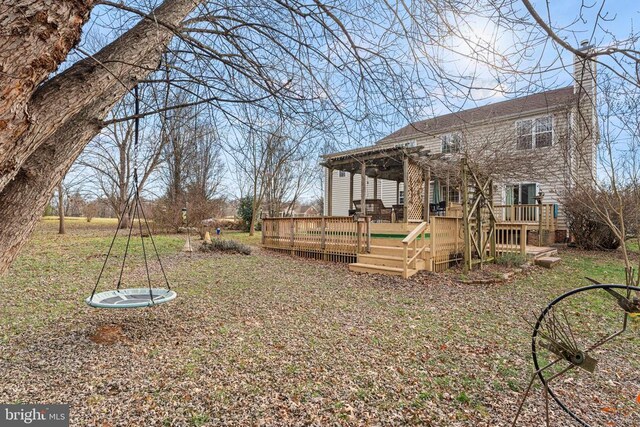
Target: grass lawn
268, 339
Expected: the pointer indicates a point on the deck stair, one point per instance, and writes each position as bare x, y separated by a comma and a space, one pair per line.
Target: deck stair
537, 252
386, 254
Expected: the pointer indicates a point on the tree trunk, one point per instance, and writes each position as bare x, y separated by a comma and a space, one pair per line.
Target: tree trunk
60, 208
63, 119
37, 36
254, 209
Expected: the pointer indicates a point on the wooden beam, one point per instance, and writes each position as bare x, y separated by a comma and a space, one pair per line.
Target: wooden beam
427, 195
492, 225
375, 187
405, 170
330, 191
397, 192
465, 217
351, 174
448, 191
363, 188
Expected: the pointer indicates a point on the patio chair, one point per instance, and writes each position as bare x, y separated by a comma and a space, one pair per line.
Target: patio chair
399, 210
374, 208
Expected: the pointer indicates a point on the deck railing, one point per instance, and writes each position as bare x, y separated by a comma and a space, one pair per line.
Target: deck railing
447, 238
331, 238
418, 250
541, 214
511, 238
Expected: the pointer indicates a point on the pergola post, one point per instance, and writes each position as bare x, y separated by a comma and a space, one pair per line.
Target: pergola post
351, 190
427, 195
397, 192
363, 188
405, 171
330, 192
446, 196
375, 187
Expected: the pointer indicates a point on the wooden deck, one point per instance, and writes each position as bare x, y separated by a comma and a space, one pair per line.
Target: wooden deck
400, 249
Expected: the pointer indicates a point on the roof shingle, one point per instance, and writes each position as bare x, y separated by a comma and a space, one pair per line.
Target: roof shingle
548, 99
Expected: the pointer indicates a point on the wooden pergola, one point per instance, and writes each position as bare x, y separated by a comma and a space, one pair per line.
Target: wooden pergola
409, 165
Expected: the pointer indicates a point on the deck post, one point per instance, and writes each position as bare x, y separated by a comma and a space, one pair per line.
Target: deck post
405, 170
330, 191
523, 239
351, 174
465, 218
323, 236
363, 188
432, 238
427, 195
293, 237
492, 225
397, 192
539, 202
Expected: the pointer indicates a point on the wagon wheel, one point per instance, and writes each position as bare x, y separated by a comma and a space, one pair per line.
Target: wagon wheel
585, 348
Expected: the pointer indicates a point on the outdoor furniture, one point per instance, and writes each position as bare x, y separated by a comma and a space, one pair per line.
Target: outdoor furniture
399, 210
438, 209
375, 209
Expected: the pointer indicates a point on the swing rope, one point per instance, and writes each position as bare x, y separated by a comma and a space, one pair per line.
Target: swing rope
134, 207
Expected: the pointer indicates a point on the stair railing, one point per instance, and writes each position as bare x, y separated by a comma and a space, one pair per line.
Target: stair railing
411, 242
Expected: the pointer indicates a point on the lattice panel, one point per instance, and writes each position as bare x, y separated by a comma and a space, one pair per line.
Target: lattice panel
414, 189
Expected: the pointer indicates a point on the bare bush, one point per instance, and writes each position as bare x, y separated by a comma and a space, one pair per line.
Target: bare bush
589, 231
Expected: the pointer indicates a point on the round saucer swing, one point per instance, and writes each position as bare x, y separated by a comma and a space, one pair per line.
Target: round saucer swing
123, 297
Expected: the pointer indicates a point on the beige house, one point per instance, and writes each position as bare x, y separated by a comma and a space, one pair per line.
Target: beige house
542, 144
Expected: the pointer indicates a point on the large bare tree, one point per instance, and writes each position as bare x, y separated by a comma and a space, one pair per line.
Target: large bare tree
47, 123
112, 157
357, 61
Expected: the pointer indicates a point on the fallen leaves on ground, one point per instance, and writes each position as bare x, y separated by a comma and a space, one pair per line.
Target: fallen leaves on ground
269, 339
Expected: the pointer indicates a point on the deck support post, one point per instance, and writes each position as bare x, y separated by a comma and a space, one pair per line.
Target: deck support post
541, 242
492, 225
465, 218
405, 170
523, 239
427, 196
351, 174
323, 238
330, 192
293, 236
363, 188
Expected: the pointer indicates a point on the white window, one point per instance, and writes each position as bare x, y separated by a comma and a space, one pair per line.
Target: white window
451, 143
401, 197
342, 174
454, 195
534, 133
521, 194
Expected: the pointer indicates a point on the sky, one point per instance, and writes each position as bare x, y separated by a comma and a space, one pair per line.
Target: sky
617, 20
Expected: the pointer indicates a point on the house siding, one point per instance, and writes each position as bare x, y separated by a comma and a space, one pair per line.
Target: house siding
544, 166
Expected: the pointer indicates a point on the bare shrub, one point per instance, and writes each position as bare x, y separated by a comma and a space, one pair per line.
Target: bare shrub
588, 230
224, 245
